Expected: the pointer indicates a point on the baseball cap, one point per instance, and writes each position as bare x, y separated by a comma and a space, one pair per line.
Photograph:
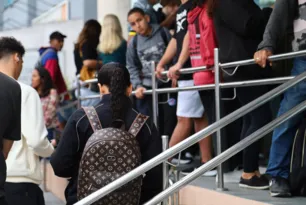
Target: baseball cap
57, 35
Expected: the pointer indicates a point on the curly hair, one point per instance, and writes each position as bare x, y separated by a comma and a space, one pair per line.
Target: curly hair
9, 46
117, 78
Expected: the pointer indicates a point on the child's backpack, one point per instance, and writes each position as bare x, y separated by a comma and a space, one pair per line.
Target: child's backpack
109, 154
298, 162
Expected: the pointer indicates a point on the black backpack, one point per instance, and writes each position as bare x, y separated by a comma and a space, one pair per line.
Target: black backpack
109, 154
298, 162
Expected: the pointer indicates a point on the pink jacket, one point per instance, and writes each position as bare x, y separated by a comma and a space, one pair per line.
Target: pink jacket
202, 42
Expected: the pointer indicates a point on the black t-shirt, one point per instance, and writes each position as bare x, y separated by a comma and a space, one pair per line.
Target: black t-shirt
10, 118
88, 52
181, 29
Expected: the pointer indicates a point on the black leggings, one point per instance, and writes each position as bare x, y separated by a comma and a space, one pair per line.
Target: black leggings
24, 193
251, 123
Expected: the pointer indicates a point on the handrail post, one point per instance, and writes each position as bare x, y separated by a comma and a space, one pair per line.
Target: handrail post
154, 95
220, 183
165, 141
79, 93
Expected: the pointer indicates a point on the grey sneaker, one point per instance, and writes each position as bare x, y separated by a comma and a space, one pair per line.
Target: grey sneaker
279, 187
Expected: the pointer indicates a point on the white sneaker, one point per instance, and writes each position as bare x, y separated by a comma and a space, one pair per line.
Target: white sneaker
187, 159
211, 173
180, 161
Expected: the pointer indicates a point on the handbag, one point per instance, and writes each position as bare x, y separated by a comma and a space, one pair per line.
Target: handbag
88, 74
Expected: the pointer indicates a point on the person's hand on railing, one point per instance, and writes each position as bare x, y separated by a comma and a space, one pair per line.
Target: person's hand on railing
139, 93
174, 71
261, 57
159, 69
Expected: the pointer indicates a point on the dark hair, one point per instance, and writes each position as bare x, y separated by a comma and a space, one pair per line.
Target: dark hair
46, 81
211, 5
170, 2
9, 46
90, 32
117, 78
136, 10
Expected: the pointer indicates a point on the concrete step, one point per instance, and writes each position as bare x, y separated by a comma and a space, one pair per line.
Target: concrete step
203, 190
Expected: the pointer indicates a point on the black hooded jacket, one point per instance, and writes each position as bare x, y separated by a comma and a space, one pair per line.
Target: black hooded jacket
240, 25
65, 161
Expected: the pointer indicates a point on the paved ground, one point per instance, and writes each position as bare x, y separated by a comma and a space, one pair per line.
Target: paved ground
50, 199
262, 196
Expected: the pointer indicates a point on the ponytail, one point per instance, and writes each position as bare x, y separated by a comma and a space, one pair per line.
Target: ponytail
117, 78
118, 90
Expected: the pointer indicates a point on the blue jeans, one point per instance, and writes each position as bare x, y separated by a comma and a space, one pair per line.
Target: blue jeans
87, 92
64, 115
283, 135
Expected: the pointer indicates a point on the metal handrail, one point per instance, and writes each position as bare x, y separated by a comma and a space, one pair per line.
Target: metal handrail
227, 65
248, 83
228, 153
190, 141
188, 70
182, 72
283, 56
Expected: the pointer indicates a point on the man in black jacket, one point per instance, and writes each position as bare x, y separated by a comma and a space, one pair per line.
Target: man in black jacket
287, 15
239, 27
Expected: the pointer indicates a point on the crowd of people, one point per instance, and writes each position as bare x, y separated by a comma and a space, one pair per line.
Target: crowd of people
180, 35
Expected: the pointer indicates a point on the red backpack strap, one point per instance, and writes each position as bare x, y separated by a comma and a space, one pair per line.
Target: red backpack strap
93, 118
138, 123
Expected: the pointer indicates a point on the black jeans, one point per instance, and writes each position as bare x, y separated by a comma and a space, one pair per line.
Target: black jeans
24, 193
3, 201
252, 122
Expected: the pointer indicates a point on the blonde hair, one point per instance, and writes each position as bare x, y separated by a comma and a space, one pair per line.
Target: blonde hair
111, 36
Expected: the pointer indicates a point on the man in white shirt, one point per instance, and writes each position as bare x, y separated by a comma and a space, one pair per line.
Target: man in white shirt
24, 172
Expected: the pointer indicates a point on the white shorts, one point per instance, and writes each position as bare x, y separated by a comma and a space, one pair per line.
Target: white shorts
189, 103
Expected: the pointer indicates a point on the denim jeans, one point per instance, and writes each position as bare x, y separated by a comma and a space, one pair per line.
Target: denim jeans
87, 92
283, 135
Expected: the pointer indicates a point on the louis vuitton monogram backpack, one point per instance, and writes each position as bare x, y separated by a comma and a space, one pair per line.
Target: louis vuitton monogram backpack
109, 154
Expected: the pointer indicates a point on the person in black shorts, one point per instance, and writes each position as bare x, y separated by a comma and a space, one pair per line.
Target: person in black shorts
11, 53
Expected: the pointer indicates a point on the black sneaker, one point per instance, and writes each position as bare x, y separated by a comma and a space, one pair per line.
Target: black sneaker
259, 183
279, 187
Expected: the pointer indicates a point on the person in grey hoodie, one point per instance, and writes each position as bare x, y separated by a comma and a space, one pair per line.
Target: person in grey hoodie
148, 45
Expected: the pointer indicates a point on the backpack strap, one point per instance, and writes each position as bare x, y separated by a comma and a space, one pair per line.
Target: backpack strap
164, 36
137, 59
93, 118
138, 123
